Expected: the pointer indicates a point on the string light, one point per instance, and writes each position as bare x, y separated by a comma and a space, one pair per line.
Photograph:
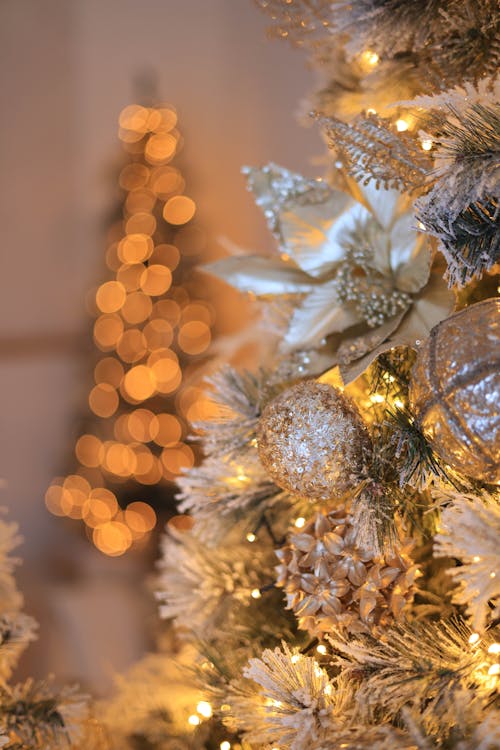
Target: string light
474, 638
401, 125
251, 537
369, 58
299, 522
145, 321
494, 648
321, 649
204, 709
225, 745
426, 144
255, 594
194, 720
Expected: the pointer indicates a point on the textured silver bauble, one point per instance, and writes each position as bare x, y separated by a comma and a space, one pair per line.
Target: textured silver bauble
313, 441
455, 390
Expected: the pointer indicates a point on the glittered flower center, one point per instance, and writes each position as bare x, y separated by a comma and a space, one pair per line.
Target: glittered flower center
372, 293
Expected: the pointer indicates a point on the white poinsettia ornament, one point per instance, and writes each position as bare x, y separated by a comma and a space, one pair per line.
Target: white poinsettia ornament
352, 273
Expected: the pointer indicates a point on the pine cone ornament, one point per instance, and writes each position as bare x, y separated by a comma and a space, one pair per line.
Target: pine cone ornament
331, 584
313, 441
455, 390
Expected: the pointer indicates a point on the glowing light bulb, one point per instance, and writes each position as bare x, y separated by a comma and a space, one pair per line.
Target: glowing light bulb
476, 558
426, 144
194, 720
371, 111
474, 638
493, 575
398, 403
377, 398
225, 745
295, 658
401, 125
299, 522
251, 537
494, 648
494, 669
205, 709
255, 594
370, 58
321, 649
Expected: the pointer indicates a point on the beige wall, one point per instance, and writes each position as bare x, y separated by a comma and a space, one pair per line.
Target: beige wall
68, 67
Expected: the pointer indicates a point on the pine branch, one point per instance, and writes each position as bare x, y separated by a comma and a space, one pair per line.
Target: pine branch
470, 529
424, 667
39, 717
240, 398
462, 209
372, 150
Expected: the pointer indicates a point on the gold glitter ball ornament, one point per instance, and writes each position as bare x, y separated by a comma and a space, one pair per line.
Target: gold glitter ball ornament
332, 584
313, 441
455, 390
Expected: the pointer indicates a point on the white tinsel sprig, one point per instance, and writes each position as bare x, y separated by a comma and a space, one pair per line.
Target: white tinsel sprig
288, 700
470, 530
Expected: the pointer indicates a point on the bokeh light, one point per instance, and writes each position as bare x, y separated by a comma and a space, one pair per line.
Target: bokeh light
179, 210
148, 323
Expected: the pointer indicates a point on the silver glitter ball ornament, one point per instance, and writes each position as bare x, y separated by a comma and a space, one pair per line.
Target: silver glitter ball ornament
455, 390
313, 441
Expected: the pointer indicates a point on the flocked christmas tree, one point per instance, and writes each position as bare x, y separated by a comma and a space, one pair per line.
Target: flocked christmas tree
336, 566
333, 574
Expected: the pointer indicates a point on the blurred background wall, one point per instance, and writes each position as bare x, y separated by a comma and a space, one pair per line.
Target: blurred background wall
67, 69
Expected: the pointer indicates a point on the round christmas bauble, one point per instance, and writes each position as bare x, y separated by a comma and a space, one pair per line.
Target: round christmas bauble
455, 390
313, 441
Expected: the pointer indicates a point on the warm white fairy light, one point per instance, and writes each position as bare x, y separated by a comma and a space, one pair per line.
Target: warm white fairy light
493, 575
398, 403
476, 558
377, 398
255, 594
494, 648
426, 144
194, 720
321, 649
299, 522
295, 658
225, 745
474, 638
205, 709
370, 58
494, 670
251, 537
401, 125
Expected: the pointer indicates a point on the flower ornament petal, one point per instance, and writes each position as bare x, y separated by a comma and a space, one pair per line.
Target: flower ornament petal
319, 314
260, 275
410, 256
312, 233
384, 205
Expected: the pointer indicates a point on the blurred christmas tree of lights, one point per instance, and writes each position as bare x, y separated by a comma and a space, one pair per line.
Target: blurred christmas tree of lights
150, 331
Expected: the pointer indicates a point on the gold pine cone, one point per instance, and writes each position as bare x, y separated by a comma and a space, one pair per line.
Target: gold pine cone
331, 584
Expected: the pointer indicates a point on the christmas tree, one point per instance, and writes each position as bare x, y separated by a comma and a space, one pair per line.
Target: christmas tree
150, 320
333, 573
335, 565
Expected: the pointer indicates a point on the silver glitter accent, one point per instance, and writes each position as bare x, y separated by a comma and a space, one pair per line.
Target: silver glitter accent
456, 390
313, 441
